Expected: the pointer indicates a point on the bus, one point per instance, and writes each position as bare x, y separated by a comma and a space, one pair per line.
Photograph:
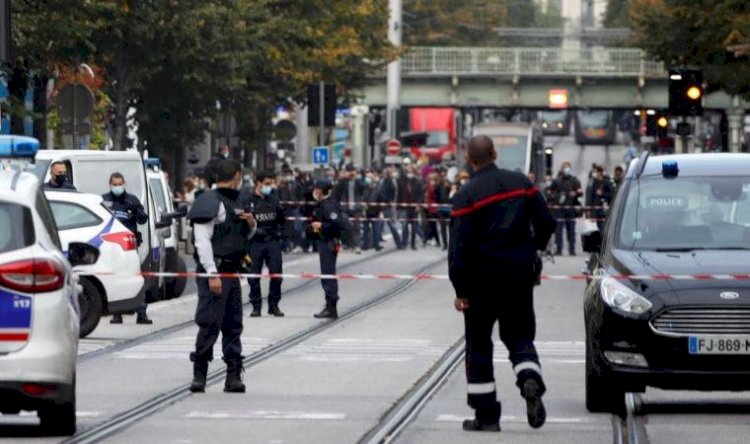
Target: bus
519, 146
595, 127
555, 123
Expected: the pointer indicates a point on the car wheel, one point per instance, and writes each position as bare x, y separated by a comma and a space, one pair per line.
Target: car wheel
176, 286
602, 394
91, 306
59, 419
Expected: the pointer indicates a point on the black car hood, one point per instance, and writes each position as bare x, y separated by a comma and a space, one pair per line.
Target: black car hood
690, 291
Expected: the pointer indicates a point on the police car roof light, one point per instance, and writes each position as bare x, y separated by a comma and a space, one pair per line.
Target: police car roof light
669, 169
153, 163
18, 147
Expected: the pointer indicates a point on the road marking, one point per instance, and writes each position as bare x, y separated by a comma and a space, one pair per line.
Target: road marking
447, 417
368, 350
268, 414
179, 348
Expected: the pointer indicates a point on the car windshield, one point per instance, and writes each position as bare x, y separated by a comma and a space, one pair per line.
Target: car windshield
511, 152
687, 213
436, 139
593, 119
553, 116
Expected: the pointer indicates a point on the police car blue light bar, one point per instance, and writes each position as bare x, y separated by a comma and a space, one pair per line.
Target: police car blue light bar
18, 147
669, 169
152, 162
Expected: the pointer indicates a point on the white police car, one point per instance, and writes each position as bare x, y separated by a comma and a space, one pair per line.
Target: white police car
113, 284
38, 298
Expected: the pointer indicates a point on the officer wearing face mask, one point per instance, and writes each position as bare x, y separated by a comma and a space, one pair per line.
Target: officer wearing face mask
129, 211
326, 229
266, 246
59, 179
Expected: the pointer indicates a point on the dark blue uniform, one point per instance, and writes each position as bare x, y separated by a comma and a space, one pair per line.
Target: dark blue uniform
328, 213
266, 245
54, 185
130, 212
499, 221
219, 313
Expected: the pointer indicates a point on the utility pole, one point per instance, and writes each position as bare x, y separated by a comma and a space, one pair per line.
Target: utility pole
394, 68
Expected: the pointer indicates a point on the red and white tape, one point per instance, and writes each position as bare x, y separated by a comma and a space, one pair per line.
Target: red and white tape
423, 205
419, 277
412, 219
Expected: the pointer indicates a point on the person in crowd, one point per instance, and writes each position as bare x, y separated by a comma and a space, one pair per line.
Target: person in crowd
411, 196
566, 191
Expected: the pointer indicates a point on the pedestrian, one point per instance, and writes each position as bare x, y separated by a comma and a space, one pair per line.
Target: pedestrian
599, 197
327, 229
499, 221
221, 228
389, 192
59, 179
432, 201
618, 177
130, 212
349, 192
566, 191
370, 231
266, 246
223, 153
411, 197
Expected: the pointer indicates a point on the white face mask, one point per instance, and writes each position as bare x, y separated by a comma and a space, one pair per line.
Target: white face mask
117, 190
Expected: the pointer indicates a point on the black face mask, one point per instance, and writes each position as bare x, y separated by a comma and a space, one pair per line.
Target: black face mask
60, 179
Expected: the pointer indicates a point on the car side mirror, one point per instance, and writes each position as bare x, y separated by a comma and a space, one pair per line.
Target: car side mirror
165, 222
80, 253
592, 241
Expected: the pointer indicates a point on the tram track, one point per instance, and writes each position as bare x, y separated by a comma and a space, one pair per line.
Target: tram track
127, 418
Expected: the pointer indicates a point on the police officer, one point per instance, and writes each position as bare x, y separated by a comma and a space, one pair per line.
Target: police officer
59, 178
327, 228
128, 210
220, 230
266, 245
499, 220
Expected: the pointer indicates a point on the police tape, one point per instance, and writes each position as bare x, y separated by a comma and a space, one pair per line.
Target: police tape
423, 277
363, 205
415, 219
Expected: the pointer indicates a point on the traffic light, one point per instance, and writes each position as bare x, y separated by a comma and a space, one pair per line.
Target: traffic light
685, 92
329, 105
657, 125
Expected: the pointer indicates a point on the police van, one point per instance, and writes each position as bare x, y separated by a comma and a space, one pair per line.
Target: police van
89, 172
39, 320
174, 263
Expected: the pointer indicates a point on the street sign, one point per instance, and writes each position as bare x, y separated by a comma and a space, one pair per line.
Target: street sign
393, 147
321, 155
558, 98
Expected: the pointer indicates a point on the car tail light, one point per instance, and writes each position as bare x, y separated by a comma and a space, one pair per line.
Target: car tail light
32, 276
37, 389
124, 239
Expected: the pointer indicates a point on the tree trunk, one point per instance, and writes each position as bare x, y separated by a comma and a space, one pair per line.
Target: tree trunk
121, 106
40, 109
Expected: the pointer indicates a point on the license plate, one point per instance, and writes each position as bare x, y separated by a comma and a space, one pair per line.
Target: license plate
719, 345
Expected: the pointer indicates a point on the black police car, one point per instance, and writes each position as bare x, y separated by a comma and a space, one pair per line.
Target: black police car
668, 297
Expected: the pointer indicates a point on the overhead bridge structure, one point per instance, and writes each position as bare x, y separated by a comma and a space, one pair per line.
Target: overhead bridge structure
523, 77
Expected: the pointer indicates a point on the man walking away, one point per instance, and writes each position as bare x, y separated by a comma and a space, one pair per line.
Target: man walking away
266, 245
127, 209
220, 229
499, 221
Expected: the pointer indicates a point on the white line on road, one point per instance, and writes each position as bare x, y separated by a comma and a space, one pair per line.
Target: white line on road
267, 414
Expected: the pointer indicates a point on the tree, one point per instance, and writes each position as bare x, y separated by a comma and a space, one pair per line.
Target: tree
697, 33
617, 14
451, 23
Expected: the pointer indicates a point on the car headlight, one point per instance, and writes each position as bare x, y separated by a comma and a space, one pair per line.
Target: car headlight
618, 296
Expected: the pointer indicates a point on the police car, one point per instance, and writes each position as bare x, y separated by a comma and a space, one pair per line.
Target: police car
113, 284
667, 305
38, 298
174, 263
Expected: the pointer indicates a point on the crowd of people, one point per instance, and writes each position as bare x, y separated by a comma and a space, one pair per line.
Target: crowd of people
410, 201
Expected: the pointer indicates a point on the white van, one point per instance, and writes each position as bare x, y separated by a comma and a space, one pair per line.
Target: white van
89, 172
157, 181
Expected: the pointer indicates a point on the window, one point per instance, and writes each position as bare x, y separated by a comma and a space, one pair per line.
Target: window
69, 216
42, 207
159, 198
511, 152
686, 213
436, 139
18, 227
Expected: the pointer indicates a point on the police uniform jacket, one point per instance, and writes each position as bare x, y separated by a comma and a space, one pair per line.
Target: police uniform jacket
55, 186
498, 222
328, 213
219, 235
269, 215
127, 209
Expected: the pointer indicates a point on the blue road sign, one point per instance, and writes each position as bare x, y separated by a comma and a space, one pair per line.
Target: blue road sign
321, 155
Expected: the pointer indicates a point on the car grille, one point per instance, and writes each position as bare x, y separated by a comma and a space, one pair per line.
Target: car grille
718, 321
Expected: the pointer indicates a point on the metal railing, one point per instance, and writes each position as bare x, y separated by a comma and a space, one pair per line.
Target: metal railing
547, 62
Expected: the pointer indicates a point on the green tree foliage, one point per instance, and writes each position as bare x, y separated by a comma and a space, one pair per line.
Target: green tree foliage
698, 33
617, 14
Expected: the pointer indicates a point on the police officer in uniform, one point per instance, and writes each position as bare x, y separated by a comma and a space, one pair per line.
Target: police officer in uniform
327, 228
128, 210
221, 229
266, 245
498, 222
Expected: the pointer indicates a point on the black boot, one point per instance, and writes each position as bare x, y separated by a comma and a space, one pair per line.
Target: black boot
116, 319
256, 311
143, 320
474, 425
329, 312
233, 383
536, 414
200, 371
274, 311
